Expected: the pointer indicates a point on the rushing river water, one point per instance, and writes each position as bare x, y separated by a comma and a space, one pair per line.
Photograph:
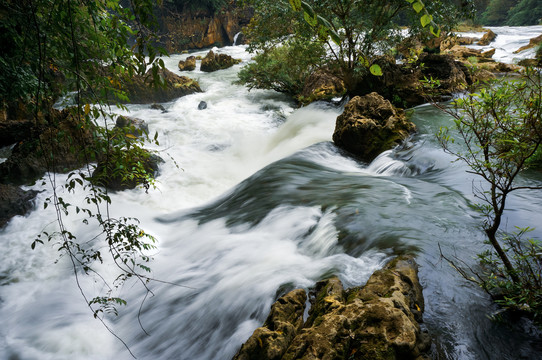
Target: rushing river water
264, 203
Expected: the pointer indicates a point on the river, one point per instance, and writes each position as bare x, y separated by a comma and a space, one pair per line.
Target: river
262, 203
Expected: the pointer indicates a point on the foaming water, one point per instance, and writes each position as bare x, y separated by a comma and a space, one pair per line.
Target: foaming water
509, 39
262, 203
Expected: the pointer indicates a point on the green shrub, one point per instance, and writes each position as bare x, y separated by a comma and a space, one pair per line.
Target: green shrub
284, 68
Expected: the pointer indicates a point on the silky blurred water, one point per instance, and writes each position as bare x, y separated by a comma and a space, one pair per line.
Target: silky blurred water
262, 202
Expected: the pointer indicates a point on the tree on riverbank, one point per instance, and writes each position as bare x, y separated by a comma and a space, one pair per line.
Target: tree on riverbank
351, 34
85, 50
500, 130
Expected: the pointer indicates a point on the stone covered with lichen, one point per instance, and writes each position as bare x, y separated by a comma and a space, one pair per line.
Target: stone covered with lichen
378, 321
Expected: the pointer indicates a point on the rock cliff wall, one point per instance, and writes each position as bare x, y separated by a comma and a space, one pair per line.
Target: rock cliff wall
201, 29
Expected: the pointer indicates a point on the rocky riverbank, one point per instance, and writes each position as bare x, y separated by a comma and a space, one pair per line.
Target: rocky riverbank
381, 320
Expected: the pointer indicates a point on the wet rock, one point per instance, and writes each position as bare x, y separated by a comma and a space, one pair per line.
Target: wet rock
14, 201
283, 323
158, 107
131, 125
488, 54
188, 65
213, 62
532, 43
378, 321
321, 85
452, 41
240, 39
463, 53
106, 175
202, 105
141, 90
370, 125
488, 37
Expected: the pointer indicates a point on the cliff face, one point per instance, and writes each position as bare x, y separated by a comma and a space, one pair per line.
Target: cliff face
201, 29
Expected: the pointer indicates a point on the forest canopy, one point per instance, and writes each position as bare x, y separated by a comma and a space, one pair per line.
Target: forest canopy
509, 12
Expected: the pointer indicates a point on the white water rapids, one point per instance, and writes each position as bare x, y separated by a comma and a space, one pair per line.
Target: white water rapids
264, 203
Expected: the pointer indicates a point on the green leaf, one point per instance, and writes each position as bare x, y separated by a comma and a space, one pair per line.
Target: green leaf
426, 20
323, 22
435, 32
308, 9
309, 19
417, 6
296, 4
335, 37
375, 70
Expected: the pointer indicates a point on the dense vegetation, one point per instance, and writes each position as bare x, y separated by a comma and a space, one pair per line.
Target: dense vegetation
509, 12
85, 50
352, 35
195, 5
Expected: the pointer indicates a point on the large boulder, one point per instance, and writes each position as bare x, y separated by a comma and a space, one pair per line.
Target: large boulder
14, 201
188, 65
488, 37
213, 62
131, 125
402, 84
370, 125
321, 85
445, 69
378, 321
141, 89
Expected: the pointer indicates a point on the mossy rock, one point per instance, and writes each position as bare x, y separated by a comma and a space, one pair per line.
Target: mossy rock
135, 171
142, 90
370, 322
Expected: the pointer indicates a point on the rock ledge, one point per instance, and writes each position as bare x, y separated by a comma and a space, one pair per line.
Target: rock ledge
378, 321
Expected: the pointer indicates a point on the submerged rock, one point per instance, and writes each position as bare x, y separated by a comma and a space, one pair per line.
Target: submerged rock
370, 125
202, 105
378, 321
213, 62
158, 107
